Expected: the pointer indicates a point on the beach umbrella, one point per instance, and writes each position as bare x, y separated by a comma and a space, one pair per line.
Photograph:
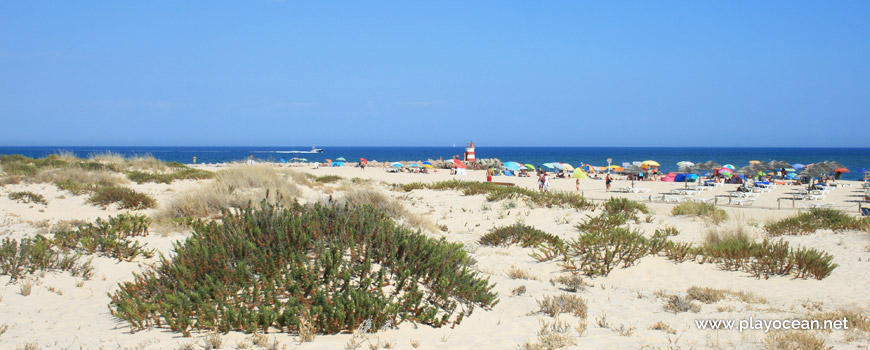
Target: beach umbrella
413, 165
566, 166
428, 166
798, 166
587, 167
363, 161
633, 170
283, 161
729, 166
338, 164
841, 170
579, 174
513, 165
303, 160
459, 163
687, 169
559, 166
754, 162
649, 164
427, 163
708, 166
550, 166
529, 166
397, 165
685, 163
615, 168
340, 159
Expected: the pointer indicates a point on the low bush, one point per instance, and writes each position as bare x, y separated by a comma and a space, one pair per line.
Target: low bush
328, 179
27, 197
677, 304
703, 210
518, 233
167, 178
794, 340
495, 192
327, 266
814, 220
108, 237
705, 295
127, 198
18, 258
599, 252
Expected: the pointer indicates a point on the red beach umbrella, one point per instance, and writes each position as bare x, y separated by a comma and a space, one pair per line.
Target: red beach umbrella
458, 163
841, 170
363, 161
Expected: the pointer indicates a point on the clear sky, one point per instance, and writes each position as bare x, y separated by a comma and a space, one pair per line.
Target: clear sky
371, 73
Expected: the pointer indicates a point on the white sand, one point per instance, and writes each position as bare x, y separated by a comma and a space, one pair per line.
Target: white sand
79, 318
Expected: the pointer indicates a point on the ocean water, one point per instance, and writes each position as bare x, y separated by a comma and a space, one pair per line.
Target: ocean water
855, 159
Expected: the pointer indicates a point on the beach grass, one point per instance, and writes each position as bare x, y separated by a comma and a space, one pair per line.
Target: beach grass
707, 211
494, 192
817, 219
518, 233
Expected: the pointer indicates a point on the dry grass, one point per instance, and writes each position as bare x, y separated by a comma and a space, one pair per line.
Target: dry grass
564, 303
519, 290
78, 175
519, 274
232, 188
555, 335
705, 295
677, 304
662, 326
370, 196
571, 282
855, 317
107, 157
794, 340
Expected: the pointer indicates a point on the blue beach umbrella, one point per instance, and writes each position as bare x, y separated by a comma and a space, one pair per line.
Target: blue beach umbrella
397, 165
513, 165
414, 165
798, 166
559, 166
338, 164
549, 166
427, 163
283, 161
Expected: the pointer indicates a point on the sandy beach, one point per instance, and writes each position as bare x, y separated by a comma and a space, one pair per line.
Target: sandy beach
625, 308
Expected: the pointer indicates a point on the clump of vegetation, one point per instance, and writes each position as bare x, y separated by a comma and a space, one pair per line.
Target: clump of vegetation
518, 233
571, 282
703, 210
28, 197
814, 220
705, 295
495, 192
518, 273
185, 173
327, 179
327, 266
358, 197
18, 258
780, 340
127, 198
615, 206
109, 237
677, 304
563, 303
599, 252
233, 188
551, 336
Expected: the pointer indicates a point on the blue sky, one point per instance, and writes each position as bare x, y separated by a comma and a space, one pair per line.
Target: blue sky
370, 73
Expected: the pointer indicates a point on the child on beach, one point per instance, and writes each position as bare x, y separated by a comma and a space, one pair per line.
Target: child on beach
577, 184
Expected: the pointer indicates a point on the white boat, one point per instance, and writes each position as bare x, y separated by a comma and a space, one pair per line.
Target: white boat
316, 150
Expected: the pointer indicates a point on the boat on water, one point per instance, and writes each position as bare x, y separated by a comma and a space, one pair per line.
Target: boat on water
313, 150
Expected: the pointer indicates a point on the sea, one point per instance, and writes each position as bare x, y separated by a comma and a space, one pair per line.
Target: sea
857, 160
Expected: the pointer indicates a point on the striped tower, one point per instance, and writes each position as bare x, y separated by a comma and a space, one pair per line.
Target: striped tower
469, 151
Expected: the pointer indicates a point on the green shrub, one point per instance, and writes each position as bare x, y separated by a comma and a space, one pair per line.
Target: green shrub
518, 233
703, 210
616, 205
126, 198
328, 179
75, 187
327, 267
599, 252
27, 256
495, 192
814, 220
27, 197
108, 237
141, 177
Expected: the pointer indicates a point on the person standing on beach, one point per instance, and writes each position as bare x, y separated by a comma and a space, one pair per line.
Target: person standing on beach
577, 184
607, 181
546, 182
489, 175
194, 159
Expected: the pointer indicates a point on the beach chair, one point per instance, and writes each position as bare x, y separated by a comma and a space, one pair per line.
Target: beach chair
865, 211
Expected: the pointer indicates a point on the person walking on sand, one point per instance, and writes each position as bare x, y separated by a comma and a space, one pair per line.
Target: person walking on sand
546, 182
607, 181
577, 184
489, 173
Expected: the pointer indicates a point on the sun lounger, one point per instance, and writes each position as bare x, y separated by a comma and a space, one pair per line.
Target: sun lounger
743, 202
672, 199
817, 205
702, 200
